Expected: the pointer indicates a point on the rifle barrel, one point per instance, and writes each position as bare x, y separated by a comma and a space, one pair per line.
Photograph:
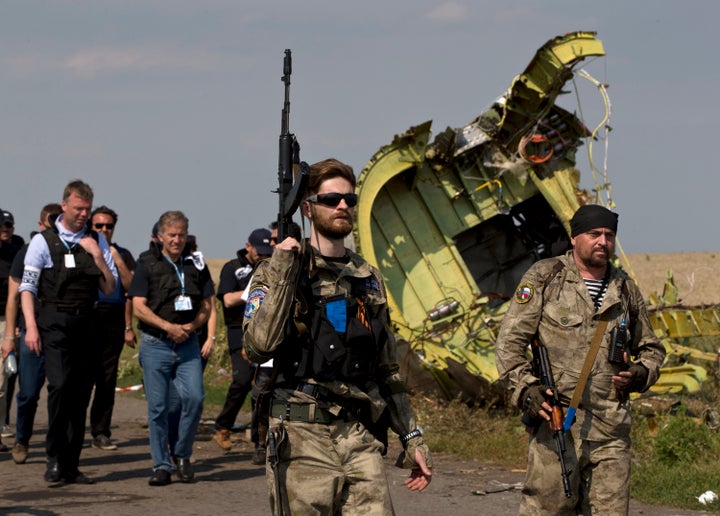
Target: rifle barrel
273, 459
564, 473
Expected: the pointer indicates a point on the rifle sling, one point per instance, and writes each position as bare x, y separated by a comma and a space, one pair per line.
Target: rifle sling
585, 373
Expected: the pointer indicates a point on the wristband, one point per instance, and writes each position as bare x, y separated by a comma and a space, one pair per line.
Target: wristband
405, 438
128, 328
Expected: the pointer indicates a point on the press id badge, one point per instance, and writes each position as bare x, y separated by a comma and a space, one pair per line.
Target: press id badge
183, 303
69, 261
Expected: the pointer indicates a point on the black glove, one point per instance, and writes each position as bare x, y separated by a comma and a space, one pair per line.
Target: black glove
638, 379
532, 400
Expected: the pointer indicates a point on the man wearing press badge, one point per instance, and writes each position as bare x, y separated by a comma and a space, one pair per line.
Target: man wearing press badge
171, 292
320, 311
64, 268
591, 319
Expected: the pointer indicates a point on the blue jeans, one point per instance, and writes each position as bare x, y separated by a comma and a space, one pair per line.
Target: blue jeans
31, 377
166, 365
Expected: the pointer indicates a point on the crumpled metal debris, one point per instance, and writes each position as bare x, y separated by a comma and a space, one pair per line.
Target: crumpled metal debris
498, 487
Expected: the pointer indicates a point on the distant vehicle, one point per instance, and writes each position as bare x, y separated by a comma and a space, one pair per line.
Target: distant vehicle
453, 224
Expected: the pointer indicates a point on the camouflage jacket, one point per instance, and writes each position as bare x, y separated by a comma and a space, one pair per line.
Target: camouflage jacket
271, 303
553, 304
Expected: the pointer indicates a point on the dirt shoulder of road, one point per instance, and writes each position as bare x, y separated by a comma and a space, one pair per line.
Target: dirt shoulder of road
229, 482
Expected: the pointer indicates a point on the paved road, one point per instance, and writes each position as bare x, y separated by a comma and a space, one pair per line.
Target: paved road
227, 483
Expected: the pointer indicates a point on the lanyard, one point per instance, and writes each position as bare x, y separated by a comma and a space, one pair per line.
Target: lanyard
67, 246
180, 273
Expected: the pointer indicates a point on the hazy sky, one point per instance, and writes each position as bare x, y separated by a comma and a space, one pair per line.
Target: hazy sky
176, 104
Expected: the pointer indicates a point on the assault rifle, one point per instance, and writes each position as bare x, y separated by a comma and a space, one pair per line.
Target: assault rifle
290, 190
280, 495
541, 364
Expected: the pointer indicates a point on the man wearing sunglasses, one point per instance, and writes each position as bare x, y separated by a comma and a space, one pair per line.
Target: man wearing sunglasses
234, 280
10, 245
320, 311
114, 320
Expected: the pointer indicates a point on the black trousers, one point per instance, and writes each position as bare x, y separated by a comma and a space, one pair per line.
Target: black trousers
242, 376
110, 323
67, 341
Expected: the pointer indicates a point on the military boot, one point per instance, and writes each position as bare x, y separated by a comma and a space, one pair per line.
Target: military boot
222, 437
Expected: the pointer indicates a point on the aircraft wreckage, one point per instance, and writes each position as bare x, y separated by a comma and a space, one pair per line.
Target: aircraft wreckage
453, 224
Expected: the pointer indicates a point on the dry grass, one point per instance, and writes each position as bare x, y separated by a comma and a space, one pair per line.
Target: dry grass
694, 275
215, 265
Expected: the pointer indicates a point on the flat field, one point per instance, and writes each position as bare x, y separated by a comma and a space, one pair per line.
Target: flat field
696, 275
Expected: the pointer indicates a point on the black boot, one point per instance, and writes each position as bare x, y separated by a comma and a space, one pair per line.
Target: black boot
184, 470
160, 477
53, 473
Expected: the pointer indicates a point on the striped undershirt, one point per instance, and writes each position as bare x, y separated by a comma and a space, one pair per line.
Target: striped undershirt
596, 289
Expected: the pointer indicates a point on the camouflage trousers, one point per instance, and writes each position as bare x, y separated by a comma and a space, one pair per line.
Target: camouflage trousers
329, 469
599, 478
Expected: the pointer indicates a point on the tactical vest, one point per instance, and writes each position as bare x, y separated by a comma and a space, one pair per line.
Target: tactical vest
314, 349
68, 288
624, 289
164, 287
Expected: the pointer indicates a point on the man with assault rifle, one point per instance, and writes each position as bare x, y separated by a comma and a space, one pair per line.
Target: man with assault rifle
592, 345
320, 312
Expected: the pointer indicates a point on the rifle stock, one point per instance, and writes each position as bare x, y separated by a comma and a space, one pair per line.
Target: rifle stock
290, 190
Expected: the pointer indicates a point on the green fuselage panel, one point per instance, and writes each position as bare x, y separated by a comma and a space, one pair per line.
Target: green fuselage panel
453, 224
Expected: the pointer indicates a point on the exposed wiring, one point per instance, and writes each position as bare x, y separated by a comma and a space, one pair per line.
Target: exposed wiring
604, 186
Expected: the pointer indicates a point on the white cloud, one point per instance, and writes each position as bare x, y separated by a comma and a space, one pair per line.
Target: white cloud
448, 12
90, 62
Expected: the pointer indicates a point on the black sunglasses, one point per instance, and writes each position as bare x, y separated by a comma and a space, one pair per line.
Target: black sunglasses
333, 199
100, 225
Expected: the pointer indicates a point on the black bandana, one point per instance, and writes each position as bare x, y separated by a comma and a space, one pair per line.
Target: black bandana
591, 216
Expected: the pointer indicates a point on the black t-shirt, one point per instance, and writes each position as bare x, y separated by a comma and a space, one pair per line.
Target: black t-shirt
18, 263
8, 251
126, 256
16, 272
234, 277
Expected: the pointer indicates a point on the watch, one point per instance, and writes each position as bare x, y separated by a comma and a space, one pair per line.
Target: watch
405, 438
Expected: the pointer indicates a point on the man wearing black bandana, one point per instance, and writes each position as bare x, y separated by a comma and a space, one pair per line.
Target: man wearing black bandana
564, 302
320, 310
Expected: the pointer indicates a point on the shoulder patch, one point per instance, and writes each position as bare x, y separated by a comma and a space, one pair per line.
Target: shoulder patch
364, 286
255, 299
524, 293
198, 260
